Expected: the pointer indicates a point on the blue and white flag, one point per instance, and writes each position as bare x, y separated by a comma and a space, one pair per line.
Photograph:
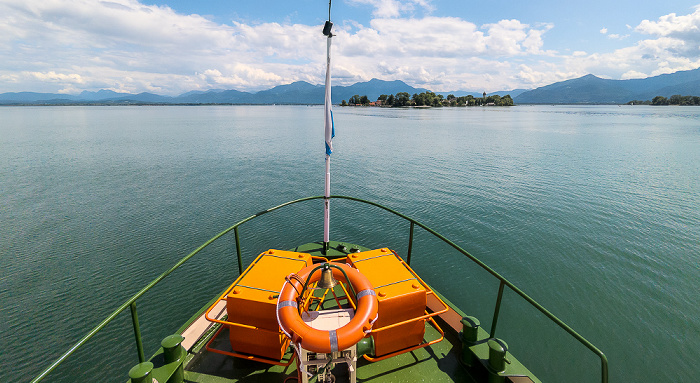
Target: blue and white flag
329, 126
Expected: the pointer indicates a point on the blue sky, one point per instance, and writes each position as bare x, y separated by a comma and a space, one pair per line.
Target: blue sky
174, 46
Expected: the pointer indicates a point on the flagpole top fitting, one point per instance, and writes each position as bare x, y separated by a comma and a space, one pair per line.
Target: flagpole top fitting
327, 28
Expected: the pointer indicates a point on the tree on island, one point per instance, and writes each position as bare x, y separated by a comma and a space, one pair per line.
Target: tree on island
451, 100
676, 99
431, 99
427, 99
659, 100
357, 100
402, 99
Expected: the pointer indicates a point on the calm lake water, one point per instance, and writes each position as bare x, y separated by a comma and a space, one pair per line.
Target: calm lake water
594, 211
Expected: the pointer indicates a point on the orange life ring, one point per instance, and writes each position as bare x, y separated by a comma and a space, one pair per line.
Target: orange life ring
322, 341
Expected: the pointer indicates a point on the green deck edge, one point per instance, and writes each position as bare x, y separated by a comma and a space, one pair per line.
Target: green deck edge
481, 350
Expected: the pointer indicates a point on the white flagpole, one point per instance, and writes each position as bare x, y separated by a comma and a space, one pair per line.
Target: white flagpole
329, 148
329, 130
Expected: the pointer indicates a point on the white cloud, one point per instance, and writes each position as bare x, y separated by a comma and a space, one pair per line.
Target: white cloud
440, 37
128, 46
543, 73
534, 41
384, 8
676, 35
56, 77
102, 39
396, 8
239, 76
125, 45
687, 26
9, 78
440, 53
426, 37
632, 74
505, 37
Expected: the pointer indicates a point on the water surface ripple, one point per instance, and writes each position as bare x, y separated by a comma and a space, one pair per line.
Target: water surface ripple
594, 211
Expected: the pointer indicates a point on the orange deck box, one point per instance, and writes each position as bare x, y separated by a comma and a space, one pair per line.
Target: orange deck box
253, 300
400, 295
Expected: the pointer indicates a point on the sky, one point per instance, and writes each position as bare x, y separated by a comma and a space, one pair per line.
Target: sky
170, 47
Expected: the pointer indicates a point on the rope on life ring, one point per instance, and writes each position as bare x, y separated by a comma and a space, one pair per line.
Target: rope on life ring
323, 341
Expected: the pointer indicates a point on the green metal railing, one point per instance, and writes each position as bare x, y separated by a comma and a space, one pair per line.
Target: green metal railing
131, 303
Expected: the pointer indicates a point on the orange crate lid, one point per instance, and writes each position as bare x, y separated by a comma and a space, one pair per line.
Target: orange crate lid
400, 294
253, 299
380, 266
272, 266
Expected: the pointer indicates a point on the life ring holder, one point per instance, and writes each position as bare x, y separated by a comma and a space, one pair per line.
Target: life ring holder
322, 341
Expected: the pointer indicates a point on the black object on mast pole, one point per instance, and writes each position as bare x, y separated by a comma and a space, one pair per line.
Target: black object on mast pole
327, 27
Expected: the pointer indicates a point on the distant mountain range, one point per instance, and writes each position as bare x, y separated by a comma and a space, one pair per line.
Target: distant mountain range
584, 90
300, 92
594, 90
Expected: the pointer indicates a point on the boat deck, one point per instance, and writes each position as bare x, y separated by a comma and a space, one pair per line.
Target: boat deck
436, 363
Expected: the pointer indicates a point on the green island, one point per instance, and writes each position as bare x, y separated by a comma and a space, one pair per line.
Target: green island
676, 99
428, 99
